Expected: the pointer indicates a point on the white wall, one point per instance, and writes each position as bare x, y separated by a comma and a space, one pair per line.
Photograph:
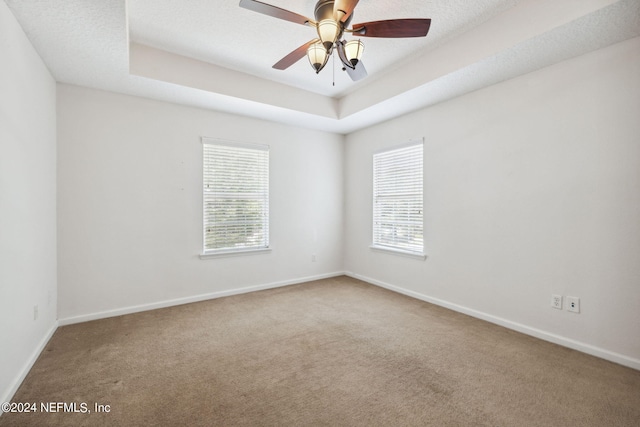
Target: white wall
130, 204
27, 204
532, 187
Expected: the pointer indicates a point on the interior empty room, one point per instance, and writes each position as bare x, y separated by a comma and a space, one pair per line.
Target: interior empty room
320, 212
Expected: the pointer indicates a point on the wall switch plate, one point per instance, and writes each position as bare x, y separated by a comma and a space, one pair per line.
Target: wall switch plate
556, 301
573, 304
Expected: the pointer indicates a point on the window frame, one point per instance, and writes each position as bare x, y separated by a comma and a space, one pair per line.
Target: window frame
262, 195
377, 244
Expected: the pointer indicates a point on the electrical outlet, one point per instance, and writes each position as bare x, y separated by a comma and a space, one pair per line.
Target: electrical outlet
313, 258
573, 304
35, 312
556, 301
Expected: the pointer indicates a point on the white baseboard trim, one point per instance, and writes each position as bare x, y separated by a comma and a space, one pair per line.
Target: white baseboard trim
22, 374
187, 300
527, 330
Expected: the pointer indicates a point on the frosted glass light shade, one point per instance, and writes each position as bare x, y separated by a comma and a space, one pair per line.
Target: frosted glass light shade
328, 31
353, 51
318, 56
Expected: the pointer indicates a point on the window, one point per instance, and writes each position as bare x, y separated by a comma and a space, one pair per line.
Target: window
397, 199
236, 197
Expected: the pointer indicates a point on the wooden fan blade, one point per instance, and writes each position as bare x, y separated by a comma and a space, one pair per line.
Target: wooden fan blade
357, 73
274, 11
342, 9
393, 28
294, 56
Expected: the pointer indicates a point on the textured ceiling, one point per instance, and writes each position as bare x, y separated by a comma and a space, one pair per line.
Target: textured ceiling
216, 55
222, 33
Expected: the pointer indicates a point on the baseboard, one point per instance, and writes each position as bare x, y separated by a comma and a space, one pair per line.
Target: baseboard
527, 330
191, 299
8, 394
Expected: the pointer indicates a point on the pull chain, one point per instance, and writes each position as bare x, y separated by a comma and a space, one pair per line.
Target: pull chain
333, 58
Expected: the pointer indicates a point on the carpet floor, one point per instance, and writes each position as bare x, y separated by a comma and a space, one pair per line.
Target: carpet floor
335, 352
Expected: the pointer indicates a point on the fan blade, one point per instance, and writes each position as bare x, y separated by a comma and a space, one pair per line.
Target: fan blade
274, 11
294, 56
357, 73
342, 9
393, 28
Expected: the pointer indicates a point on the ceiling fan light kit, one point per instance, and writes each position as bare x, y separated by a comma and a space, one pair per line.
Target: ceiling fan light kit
332, 19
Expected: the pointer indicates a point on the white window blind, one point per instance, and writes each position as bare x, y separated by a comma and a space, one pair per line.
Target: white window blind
236, 196
397, 199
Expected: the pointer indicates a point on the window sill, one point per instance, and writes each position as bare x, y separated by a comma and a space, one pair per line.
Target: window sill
224, 254
414, 255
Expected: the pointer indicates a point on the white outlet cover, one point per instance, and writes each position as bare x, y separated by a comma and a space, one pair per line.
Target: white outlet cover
573, 304
556, 301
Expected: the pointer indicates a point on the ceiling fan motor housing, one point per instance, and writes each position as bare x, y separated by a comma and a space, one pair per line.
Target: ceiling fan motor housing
324, 10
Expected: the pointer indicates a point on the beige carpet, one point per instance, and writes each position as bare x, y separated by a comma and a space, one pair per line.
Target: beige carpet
335, 352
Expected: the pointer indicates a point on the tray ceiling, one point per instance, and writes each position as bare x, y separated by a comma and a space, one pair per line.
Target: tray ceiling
216, 55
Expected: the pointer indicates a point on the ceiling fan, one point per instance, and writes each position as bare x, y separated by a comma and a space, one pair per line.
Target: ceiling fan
332, 20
